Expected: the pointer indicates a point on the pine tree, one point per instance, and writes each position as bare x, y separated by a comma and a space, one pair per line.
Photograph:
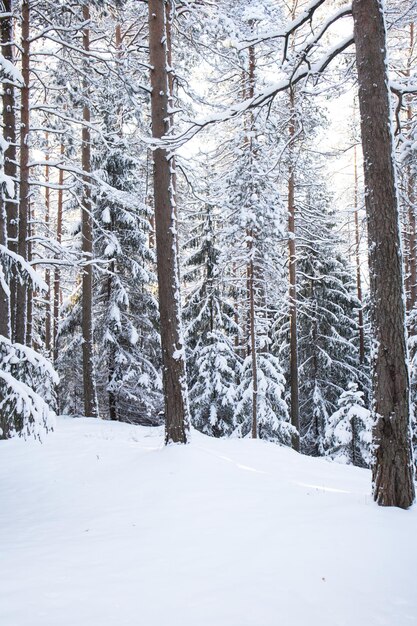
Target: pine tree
348, 434
393, 470
213, 364
166, 231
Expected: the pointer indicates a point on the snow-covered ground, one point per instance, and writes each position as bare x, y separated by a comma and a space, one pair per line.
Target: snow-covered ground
102, 526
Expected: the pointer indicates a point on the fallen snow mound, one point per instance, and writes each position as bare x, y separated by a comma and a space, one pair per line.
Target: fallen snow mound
102, 526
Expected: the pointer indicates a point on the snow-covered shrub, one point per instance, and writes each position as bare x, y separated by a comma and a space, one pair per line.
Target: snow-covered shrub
272, 411
348, 435
27, 394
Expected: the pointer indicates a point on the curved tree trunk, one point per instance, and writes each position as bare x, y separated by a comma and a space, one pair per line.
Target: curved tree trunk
393, 466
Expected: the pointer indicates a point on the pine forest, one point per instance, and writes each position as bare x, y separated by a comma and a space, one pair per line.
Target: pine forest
208, 237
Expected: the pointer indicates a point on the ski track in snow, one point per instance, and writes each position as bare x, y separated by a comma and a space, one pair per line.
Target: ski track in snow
102, 526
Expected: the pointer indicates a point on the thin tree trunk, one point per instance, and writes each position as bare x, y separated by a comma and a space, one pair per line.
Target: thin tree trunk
22, 286
250, 271
5, 329
89, 385
253, 345
57, 273
295, 410
393, 463
111, 363
30, 291
10, 165
111, 356
48, 312
357, 260
173, 353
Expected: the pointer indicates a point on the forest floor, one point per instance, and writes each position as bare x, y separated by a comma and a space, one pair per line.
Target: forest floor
102, 526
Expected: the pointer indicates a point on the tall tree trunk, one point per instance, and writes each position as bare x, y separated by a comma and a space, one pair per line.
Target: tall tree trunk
5, 329
357, 260
411, 196
252, 328
57, 273
10, 165
22, 286
173, 350
30, 291
89, 384
48, 312
295, 411
111, 355
393, 465
250, 272
111, 358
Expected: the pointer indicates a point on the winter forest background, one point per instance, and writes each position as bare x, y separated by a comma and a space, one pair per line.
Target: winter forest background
262, 241
208, 237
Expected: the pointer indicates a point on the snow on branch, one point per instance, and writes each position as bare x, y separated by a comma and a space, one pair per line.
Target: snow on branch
306, 15
32, 411
10, 71
24, 269
263, 97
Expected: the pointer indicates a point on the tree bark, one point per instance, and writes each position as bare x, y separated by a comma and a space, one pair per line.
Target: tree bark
173, 353
393, 465
295, 410
357, 261
4, 287
22, 244
57, 272
10, 165
30, 291
48, 312
89, 385
411, 195
250, 271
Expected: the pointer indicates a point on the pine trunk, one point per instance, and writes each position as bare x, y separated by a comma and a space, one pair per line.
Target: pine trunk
411, 195
358, 263
166, 231
22, 245
89, 386
10, 167
393, 466
4, 288
295, 411
48, 312
30, 291
250, 272
57, 273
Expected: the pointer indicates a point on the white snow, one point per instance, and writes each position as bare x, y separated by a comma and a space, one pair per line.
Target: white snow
102, 525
